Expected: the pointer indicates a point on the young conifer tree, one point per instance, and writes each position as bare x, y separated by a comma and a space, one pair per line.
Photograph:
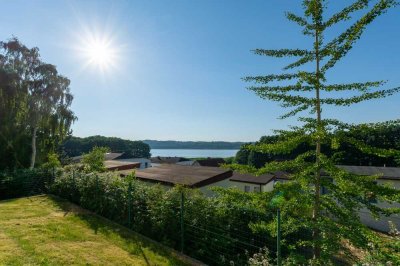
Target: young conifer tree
320, 197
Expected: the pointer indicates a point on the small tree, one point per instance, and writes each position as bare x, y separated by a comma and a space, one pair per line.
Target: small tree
333, 216
94, 160
52, 161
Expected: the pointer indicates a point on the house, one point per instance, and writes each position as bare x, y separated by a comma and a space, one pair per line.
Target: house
144, 162
114, 165
252, 183
167, 160
170, 175
107, 157
388, 176
211, 162
188, 163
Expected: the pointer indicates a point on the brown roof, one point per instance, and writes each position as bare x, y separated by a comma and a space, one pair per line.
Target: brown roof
249, 178
386, 172
213, 162
170, 160
281, 175
192, 176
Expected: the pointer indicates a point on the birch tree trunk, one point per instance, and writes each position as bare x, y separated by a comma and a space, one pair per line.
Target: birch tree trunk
33, 154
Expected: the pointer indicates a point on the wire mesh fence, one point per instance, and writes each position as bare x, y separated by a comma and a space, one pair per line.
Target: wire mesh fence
177, 219
25, 182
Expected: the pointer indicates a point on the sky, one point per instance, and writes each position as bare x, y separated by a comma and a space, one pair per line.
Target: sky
175, 66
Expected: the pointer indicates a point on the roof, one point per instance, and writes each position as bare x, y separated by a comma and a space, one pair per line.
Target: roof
281, 175
120, 165
170, 160
107, 156
192, 176
186, 163
249, 178
392, 173
213, 162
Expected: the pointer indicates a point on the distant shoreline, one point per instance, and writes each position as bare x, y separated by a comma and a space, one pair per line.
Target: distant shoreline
194, 153
193, 145
216, 149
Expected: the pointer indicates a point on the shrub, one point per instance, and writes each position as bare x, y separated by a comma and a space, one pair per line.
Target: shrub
94, 160
215, 229
24, 182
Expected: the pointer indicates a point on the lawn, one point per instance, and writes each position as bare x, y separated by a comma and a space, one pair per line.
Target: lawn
44, 230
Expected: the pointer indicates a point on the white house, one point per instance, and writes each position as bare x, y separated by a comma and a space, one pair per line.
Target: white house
144, 162
388, 176
252, 183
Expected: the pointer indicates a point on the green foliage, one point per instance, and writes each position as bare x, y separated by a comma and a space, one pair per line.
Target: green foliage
35, 105
75, 146
346, 146
52, 161
383, 252
325, 218
214, 145
213, 225
24, 182
94, 160
262, 258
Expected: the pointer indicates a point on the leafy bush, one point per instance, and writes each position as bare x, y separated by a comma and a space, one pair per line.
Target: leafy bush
94, 160
215, 229
24, 182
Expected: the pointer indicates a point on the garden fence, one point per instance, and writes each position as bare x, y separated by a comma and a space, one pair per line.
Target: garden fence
214, 243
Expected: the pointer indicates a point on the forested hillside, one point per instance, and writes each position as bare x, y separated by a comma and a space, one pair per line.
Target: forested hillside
384, 135
171, 144
74, 146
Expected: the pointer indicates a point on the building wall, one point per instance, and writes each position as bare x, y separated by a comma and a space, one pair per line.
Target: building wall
382, 223
144, 162
242, 186
207, 189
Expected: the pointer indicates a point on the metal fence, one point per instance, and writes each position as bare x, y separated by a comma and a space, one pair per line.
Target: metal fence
210, 242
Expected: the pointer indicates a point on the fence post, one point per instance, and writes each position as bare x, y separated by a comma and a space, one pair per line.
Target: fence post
182, 227
278, 238
129, 204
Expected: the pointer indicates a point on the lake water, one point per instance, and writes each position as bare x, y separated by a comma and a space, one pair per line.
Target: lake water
192, 153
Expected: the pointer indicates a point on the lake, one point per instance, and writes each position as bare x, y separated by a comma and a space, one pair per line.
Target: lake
192, 153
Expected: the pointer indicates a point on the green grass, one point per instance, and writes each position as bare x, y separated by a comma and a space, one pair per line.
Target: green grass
45, 230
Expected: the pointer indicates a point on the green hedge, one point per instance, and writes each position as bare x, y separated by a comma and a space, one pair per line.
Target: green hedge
24, 182
216, 229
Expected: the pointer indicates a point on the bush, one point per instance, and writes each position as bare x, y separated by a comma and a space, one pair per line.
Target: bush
94, 160
215, 229
24, 182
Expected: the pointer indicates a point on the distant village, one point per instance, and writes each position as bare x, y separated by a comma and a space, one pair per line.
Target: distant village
203, 174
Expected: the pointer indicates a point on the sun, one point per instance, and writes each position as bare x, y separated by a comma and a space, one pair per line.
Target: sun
99, 52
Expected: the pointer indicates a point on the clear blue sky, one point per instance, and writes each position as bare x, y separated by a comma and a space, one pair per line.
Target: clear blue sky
180, 64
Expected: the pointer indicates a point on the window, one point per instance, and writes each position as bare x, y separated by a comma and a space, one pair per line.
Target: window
146, 164
246, 188
257, 189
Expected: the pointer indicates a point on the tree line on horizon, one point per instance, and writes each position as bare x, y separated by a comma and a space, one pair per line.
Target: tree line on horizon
75, 146
384, 135
206, 145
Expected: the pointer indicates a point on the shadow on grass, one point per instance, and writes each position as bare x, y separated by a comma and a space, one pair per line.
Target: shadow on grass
132, 242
